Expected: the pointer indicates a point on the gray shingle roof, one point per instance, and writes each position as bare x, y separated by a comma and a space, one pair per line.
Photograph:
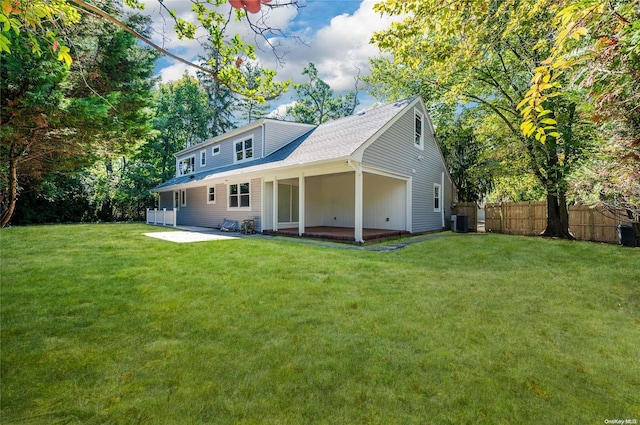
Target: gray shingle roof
341, 138
333, 140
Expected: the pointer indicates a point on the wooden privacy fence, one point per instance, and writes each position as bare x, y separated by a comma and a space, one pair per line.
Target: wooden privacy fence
530, 218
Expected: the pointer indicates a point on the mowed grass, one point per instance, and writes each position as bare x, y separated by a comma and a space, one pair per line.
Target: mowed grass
103, 325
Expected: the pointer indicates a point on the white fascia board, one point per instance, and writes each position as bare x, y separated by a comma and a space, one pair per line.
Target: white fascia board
288, 171
385, 173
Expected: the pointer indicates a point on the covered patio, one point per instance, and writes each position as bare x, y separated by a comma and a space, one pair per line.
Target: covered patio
333, 204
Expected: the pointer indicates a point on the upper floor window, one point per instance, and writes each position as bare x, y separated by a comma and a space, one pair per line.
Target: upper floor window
244, 150
203, 158
215, 150
187, 166
419, 130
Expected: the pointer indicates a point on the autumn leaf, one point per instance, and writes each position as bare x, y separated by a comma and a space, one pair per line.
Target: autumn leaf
7, 7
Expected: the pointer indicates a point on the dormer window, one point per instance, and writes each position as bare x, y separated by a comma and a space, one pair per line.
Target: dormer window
243, 150
215, 150
203, 158
187, 166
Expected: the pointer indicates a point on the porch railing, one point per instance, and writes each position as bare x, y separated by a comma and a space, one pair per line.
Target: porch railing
164, 217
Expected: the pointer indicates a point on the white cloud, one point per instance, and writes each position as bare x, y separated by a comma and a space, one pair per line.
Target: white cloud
339, 51
176, 71
280, 111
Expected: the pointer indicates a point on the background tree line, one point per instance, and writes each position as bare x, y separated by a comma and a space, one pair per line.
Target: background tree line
532, 100
542, 95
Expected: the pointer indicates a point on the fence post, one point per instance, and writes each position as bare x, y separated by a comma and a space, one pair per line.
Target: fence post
530, 214
175, 217
592, 225
503, 213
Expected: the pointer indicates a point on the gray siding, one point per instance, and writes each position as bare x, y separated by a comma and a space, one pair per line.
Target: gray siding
395, 151
276, 133
330, 200
198, 212
280, 133
226, 155
166, 200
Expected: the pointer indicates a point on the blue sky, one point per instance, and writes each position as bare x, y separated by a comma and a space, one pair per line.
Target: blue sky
336, 37
316, 14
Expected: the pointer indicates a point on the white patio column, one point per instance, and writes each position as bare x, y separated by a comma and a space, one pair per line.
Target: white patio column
409, 206
358, 202
275, 204
301, 212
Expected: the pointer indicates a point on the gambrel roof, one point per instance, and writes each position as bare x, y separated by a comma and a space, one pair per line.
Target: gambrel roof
335, 140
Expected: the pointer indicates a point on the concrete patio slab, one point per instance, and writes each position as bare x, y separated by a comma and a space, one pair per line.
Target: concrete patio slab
181, 236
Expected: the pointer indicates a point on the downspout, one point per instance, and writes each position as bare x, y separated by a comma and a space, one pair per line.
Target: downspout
443, 202
264, 141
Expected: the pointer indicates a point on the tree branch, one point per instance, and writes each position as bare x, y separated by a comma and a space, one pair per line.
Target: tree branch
139, 36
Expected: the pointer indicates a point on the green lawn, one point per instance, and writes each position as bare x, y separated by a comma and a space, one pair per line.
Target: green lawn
103, 325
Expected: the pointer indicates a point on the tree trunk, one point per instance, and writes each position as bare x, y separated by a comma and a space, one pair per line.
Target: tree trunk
557, 218
13, 189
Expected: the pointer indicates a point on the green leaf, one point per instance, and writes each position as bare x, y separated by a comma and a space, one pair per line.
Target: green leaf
64, 55
4, 44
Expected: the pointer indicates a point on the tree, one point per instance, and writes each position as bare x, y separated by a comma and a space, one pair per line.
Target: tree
316, 103
182, 114
598, 45
43, 20
39, 122
467, 158
69, 117
250, 109
486, 53
60, 119
222, 103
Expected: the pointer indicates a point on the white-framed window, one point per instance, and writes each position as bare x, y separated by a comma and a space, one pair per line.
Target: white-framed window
437, 197
187, 165
211, 195
419, 130
203, 158
243, 150
215, 150
239, 195
183, 198
176, 199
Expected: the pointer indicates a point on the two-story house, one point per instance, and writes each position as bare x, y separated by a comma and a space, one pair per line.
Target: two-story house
378, 169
